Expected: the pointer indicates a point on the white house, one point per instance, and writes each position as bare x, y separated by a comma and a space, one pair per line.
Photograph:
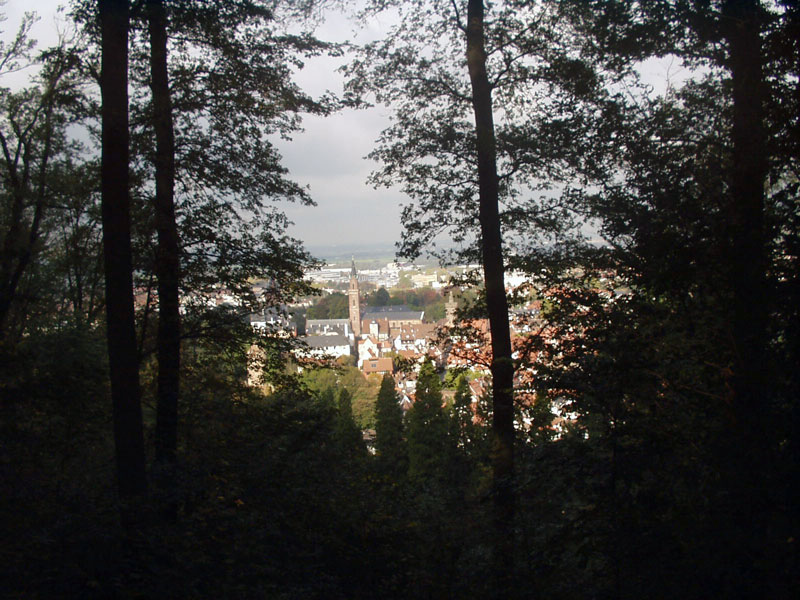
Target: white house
327, 345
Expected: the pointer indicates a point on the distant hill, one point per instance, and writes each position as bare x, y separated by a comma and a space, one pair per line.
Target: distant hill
344, 252
367, 256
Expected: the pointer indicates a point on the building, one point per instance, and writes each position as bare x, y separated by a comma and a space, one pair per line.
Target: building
273, 320
451, 308
327, 345
380, 366
354, 302
328, 327
386, 321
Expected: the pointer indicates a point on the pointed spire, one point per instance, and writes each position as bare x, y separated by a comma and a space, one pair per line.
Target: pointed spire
353, 272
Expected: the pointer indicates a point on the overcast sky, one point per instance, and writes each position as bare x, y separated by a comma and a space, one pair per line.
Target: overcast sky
328, 155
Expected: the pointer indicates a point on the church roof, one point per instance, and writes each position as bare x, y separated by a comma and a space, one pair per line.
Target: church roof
398, 312
392, 308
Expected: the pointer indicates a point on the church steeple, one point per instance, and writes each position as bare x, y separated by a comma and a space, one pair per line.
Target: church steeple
354, 302
450, 310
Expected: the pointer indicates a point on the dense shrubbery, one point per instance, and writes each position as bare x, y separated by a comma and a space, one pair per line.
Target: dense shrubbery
276, 499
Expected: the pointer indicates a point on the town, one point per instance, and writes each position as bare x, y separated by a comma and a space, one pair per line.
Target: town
397, 339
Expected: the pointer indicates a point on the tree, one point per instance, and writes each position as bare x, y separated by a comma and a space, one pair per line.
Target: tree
389, 440
462, 414
50, 232
404, 281
34, 146
752, 392
213, 174
427, 430
122, 351
458, 166
205, 173
167, 263
228, 176
72, 262
362, 390
688, 214
332, 306
346, 432
379, 298
502, 367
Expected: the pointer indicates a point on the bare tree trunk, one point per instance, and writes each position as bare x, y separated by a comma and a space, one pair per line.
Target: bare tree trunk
497, 305
167, 255
751, 401
121, 332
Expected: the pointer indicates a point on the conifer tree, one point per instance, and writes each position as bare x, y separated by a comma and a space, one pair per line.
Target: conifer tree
427, 428
389, 442
346, 431
327, 399
462, 413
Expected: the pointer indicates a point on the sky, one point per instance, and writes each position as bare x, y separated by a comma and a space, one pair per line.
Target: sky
329, 154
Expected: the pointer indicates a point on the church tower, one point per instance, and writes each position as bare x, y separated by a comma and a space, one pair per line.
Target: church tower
450, 310
355, 306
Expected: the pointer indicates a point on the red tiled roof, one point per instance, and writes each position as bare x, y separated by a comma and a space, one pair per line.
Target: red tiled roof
377, 365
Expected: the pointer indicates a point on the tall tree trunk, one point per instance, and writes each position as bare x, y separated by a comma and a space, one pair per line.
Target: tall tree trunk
121, 332
792, 26
167, 256
497, 305
751, 401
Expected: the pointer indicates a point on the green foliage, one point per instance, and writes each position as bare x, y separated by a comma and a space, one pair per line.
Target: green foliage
320, 379
346, 432
55, 394
636, 494
332, 306
390, 444
462, 414
453, 376
363, 390
227, 103
435, 312
548, 92
349, 360
379, 298
427, 299
404, 281
49, 267
540, 418
427, 429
